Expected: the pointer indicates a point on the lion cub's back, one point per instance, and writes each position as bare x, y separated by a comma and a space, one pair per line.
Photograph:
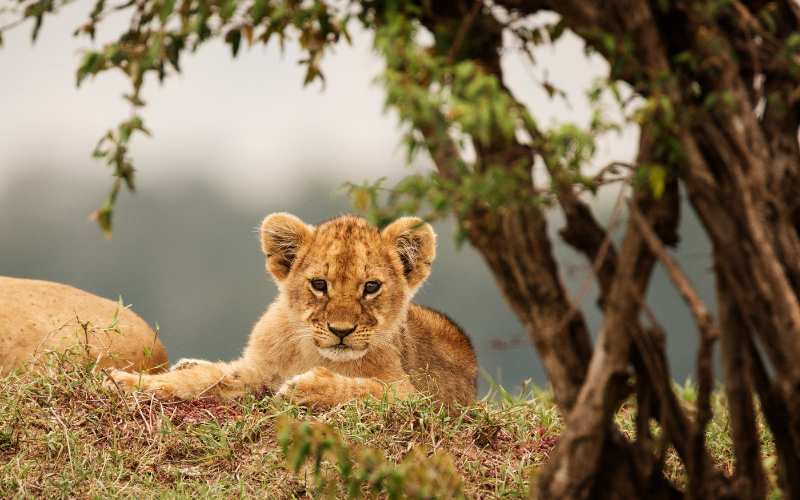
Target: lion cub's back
40, 316
439, 356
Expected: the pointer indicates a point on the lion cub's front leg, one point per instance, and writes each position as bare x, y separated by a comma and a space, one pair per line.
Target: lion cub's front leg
320, 387
184, 381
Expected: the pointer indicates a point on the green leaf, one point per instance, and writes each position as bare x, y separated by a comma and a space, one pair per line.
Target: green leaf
104, 215
153, 52
657, 177
167, 6
91, 63
555, 31
258, 11
464, 70
103, 218
174, 49
361, 198
234, 39
98, 8
228, 9
608, 42
37, 10
37, 26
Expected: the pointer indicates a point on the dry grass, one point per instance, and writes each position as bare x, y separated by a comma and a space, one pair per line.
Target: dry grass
63, 435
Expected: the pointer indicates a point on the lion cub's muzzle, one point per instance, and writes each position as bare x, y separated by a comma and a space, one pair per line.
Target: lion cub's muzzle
338, 344
341, 330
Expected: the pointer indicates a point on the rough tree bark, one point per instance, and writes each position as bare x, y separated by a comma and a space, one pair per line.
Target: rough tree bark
740, 166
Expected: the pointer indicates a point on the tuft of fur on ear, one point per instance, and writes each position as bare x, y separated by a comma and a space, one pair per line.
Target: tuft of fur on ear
282, 237
415, 243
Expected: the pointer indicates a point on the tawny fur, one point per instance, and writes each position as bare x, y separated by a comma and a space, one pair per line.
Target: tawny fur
396, 349
38, 317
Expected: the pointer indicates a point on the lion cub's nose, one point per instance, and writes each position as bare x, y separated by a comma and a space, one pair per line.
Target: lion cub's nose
341, 330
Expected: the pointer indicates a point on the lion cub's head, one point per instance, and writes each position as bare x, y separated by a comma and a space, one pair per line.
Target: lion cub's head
347, 283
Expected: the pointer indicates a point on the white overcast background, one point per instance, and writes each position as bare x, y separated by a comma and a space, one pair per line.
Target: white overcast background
247, 123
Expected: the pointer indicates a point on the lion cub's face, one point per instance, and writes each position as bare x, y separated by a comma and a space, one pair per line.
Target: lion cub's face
347, 283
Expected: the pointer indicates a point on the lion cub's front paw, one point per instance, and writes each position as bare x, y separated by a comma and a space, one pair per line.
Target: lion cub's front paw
132, 382
122, 380
186, 363
317, 387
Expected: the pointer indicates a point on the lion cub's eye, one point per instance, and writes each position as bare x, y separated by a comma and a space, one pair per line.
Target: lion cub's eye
319, 285
371, 287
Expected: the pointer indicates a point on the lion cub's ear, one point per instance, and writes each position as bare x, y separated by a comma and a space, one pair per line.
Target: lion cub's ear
282, 237
415, 243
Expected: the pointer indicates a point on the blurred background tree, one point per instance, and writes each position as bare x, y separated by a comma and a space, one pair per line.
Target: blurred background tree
712, 86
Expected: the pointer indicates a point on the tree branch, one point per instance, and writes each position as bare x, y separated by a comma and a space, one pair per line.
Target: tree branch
588, 423
709, 334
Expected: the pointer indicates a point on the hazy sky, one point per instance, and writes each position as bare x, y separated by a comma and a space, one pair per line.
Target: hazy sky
247, 123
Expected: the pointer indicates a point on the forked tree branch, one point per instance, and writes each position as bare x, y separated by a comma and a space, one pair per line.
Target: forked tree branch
698, 309
709, 334
572, 470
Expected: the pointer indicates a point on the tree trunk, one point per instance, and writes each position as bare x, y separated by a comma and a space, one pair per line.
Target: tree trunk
739, 163
516, 247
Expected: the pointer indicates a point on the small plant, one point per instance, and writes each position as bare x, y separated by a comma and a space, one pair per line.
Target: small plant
338, 468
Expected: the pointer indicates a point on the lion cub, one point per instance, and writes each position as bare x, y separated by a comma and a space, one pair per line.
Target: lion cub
342, 327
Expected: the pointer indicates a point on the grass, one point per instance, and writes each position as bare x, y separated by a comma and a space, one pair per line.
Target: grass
63, 435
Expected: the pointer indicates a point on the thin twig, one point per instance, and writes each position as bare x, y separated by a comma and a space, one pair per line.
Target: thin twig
586, 284
13, 24
462, 31
121, 393
679, 279
141, 414
613, 167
